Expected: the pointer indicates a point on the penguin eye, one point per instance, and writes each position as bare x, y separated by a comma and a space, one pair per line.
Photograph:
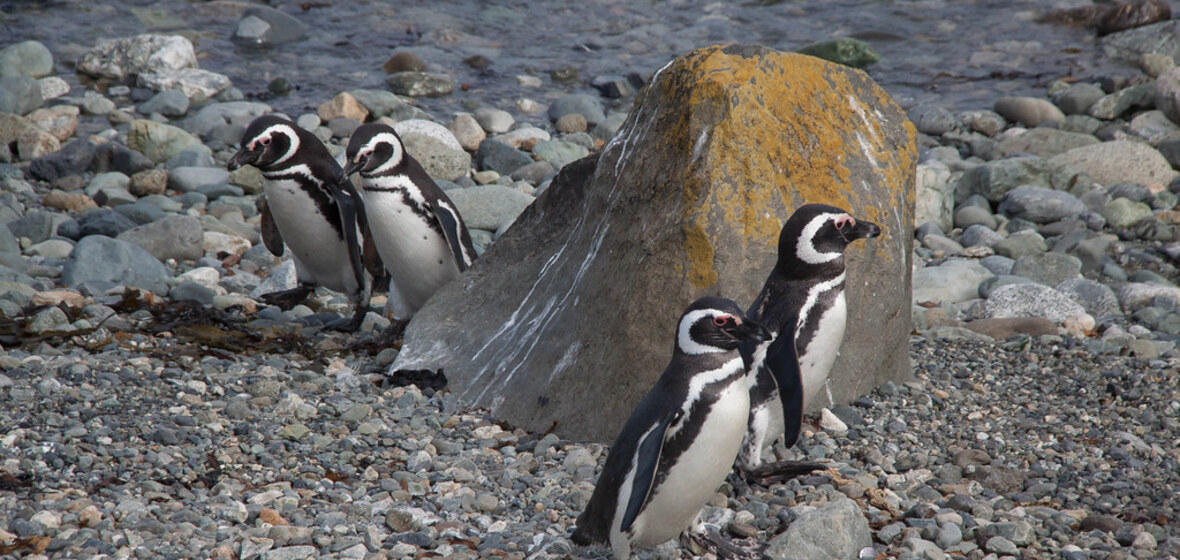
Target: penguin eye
845, 220
265, 140
721, 321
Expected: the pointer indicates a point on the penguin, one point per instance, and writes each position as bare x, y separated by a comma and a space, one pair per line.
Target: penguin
416, 229
310, 207
802, 304
679, 443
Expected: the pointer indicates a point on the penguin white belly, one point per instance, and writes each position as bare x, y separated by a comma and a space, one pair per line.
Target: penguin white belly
418, 258
689, 484
320, 255
815, 361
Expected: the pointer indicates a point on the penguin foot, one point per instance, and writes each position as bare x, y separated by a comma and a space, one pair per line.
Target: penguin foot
287, 299
737, 549
782, 471
348, 325
392, 333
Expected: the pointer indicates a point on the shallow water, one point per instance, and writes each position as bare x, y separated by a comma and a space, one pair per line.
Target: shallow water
961, 53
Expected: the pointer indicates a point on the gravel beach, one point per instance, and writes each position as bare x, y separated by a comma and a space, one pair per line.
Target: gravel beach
151, 406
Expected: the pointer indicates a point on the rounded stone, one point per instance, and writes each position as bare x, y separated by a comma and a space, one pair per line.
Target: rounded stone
435, 147
588, 106
967, 216
933, 119
26, 58
1029, 111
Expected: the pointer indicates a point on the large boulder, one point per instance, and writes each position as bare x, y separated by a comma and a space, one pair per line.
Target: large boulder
568, 320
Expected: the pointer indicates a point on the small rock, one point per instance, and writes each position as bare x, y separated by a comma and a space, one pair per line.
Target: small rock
344, 105
846, 51
494, 121
467, 131
1029, 111
578, 103
933, 119
170, 103
404, 61
262, 25
420, 84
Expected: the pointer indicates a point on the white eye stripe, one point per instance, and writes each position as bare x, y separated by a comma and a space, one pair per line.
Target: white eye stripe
395, 158
684, 334
283, 129
805, 246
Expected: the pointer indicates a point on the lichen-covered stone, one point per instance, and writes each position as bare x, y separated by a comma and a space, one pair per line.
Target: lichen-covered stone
569, 317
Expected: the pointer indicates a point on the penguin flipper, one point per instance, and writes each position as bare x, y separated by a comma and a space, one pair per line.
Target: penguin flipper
647, 459
269, 230
346, 204
783, 361
456, 233
372, 259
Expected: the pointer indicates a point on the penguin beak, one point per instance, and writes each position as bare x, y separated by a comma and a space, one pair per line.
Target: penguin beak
749, 330
864, 229
242, 157
353, 166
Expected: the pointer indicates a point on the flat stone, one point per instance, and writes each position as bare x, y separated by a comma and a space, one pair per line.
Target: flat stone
1031, 300
1040, 205
953, 281
1121, 161
1002, 328
1050, 269
1044, 142
196, 84
176, 237
420, 84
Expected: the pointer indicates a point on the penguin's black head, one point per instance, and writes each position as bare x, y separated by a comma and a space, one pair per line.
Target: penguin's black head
373, 149
817, 234
267, 142
713, 324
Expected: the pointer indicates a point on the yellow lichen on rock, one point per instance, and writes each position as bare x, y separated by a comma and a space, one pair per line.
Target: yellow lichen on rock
764, 129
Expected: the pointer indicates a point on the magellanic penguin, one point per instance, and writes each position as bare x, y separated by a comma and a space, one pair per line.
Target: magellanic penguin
803, 305
309, 207
416, 229
680, 442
